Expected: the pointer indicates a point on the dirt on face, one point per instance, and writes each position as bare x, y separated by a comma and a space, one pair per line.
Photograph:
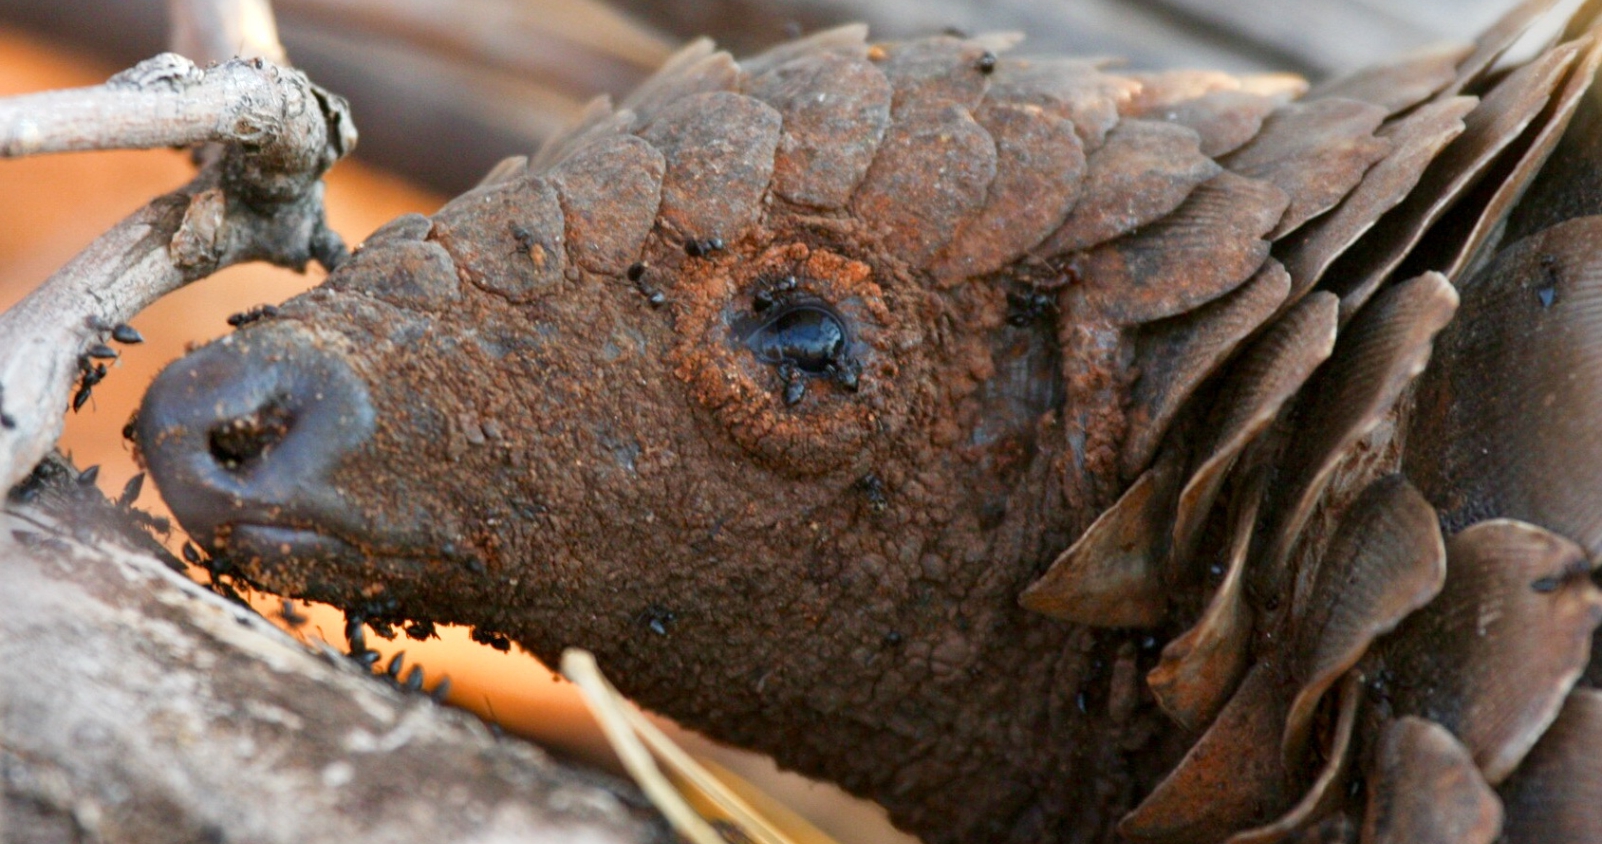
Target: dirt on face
777, 386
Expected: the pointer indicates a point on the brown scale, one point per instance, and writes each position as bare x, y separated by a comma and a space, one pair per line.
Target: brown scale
1048, 453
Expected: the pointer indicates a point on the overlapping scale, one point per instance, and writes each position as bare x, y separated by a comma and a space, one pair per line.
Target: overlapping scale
1322, 585
1175, 355
932, 170
1316, 152
1021, 208
1501, 116
697, 68
938, 72
610, 191
1141, 172
718, 147
519, 266
1461, 234
1378, 355
1268, 374
1208, 246
1328, 788
1074, 89
1385, 561
826, 143
1495, 41
1224, 120
1555, 797
1424, 789
938, 148
1416, 139
1201, 669
1112, 576
1493, 656
1400, 83
1230, 780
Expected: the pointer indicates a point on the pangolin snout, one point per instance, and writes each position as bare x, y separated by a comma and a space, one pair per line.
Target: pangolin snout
243, 436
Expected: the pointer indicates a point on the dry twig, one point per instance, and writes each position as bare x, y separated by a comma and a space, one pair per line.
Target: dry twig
260, 198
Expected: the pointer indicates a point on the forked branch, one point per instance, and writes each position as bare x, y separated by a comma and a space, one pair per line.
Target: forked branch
258, 197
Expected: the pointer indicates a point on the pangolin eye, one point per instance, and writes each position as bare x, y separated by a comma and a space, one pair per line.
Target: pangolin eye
810, 336
789, 350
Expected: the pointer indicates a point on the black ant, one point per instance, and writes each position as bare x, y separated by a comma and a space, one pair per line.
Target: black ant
355, 636
1025, 307
527, 244
872, 487
89, 374
795, 384
247, 317
702, 247
126, 334
524, 237
495, 640
636, 274
131, 490
772, 292
846, 371
122, 332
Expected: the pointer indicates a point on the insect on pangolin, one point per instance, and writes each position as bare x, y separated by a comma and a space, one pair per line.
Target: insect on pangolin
1156, 352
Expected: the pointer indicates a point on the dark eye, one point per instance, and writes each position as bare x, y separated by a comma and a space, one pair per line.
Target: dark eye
809, 336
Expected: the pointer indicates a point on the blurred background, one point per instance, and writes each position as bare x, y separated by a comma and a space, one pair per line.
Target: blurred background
442, 89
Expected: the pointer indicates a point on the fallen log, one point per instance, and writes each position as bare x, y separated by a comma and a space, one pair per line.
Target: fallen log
136, 705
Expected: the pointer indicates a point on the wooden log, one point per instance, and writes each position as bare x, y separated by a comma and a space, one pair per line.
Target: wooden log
135, 705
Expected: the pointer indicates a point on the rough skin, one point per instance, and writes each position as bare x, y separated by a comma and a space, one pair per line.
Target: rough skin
561, 417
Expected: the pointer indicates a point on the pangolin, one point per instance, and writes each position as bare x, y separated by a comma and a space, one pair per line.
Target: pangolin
1045, 451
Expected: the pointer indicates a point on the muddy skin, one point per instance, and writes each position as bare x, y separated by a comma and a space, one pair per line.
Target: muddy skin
605, 472
779, 385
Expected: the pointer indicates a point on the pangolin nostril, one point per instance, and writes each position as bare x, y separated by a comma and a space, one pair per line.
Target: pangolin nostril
250, 429
237, 442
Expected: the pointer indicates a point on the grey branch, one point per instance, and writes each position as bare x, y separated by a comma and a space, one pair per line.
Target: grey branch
137, 706
261, 199
167, 101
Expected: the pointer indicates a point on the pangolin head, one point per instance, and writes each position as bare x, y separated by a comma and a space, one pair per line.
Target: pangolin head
815, 393
663, 395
